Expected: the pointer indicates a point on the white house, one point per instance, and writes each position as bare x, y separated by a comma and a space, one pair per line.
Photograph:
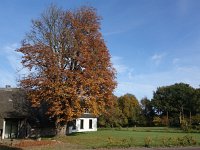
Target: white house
87, 122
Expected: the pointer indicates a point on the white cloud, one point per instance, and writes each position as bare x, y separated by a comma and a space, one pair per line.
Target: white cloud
118, 65
114, 32
11, 55
120, 29
144, 84
14, 58
176, 60
138, 89
130, 74
7, 78
10, 68
157, 58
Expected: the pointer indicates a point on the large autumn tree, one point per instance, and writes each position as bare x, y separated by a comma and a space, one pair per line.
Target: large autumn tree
69, 64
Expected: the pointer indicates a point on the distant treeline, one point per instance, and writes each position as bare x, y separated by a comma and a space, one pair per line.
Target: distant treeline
175, 105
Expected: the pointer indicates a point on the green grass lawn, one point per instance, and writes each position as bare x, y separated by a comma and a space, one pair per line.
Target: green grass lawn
134, 137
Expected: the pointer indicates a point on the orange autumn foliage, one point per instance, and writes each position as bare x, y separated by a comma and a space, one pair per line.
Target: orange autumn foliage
69, 63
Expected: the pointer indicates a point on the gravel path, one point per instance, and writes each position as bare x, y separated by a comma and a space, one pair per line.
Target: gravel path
176, 148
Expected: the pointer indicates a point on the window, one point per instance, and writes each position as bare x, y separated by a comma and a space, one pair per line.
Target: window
74, 125
90, 124
82, 124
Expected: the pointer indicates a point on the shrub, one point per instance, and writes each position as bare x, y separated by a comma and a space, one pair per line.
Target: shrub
147, 141
167, 142
196, 119
110, 140
189, 140
185, 126
157, 121
125, 143
185, 141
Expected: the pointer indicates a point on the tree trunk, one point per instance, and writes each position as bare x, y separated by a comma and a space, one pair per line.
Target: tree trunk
183, 114
190, 118
167, 119
180, 119
61, 130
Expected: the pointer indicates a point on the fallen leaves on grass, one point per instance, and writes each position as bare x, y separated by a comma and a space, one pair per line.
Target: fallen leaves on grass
30, 143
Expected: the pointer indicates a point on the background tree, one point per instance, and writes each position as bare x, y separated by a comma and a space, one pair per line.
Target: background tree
197, 100
113, 117
177, 100
147, 111
69, 64
161, 101
195, 119
130, 108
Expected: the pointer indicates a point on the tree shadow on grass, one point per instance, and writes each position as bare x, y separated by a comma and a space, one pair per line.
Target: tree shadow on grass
4, 147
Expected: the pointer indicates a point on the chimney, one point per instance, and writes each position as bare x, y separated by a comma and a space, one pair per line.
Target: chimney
8, 86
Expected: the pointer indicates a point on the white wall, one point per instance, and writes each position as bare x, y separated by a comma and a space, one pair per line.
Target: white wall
4, 127
85, 125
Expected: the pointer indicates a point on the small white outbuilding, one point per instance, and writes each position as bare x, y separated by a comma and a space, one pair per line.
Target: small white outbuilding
87, 122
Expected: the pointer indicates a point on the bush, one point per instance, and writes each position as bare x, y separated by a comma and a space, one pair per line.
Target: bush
197, 127
185, 141
185, 126
179, 141
147, 141
196, 119
167, 141
157, 121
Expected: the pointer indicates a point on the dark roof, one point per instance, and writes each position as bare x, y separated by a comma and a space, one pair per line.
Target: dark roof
12, 103
88, 115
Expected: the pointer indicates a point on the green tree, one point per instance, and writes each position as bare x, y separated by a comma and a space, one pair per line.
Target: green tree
130, 108
147, 111
113, 117
197, 100
177, 101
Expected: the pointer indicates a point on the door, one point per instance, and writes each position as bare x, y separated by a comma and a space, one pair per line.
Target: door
11, 128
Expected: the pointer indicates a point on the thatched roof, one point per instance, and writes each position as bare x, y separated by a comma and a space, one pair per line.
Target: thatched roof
88, 115
14, 104
11, 103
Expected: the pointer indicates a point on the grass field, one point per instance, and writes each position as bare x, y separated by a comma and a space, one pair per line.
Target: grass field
134, 137
120, 138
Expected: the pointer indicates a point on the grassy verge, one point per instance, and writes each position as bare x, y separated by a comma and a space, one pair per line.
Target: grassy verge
154, 137
110, 138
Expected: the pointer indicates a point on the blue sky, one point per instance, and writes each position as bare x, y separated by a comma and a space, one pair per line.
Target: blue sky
152, 42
